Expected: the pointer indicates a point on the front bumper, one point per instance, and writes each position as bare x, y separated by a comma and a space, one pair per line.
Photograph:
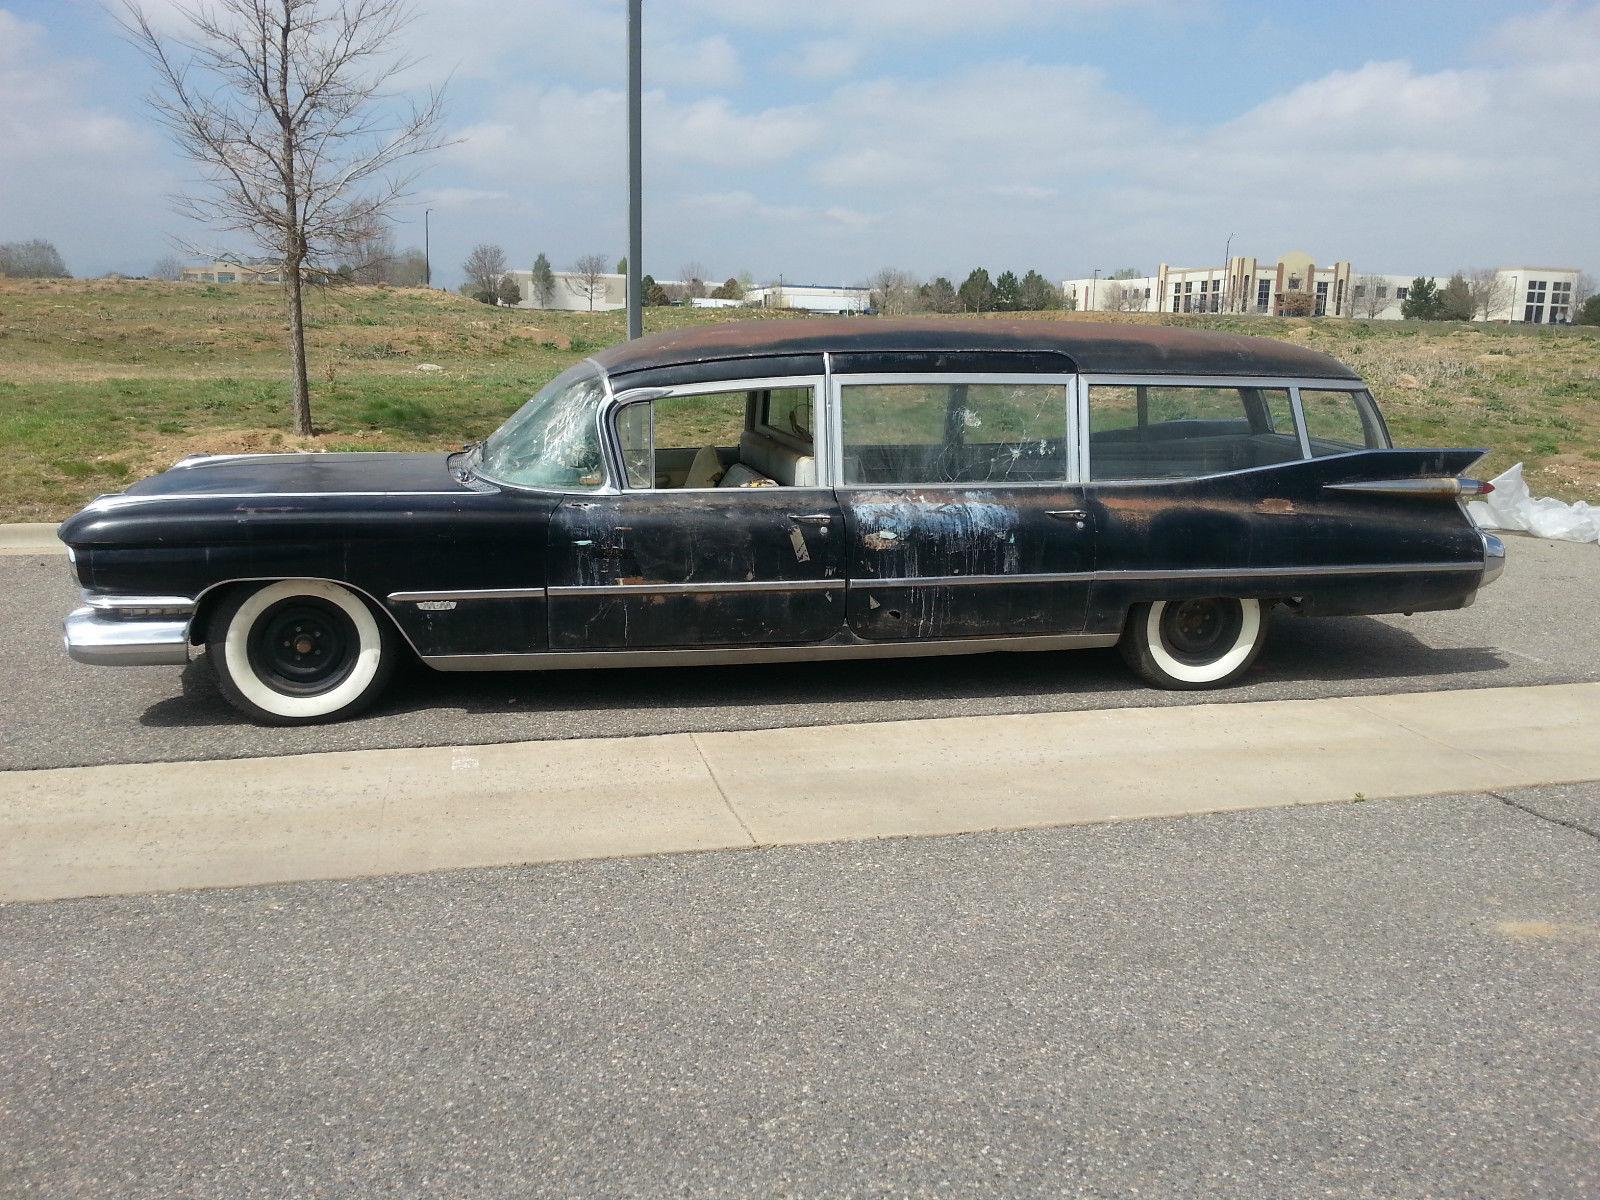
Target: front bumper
1494, 558
102, 641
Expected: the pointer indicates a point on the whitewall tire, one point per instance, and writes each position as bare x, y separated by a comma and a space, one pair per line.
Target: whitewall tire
300, 651
1203, 643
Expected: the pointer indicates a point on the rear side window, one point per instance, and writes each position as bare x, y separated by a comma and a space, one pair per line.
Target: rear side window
1172, 431
938, 432
1339, 421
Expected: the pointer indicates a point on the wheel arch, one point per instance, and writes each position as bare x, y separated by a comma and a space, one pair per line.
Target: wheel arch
205, 604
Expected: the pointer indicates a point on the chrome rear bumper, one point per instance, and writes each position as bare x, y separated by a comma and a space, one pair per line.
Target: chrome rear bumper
96, 639
1494, 558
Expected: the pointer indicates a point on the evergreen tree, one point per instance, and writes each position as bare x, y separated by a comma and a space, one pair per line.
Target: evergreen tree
938, 295
1589, 311
1422, 302
1038, 294
1007, 292
977, 293
1456, 301
508, 293
652, 294
542, 287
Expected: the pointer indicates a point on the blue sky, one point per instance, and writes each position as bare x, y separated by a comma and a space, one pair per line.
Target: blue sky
825, 139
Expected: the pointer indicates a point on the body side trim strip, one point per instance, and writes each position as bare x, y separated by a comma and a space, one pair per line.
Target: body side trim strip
737, 585
468, 594
557, 660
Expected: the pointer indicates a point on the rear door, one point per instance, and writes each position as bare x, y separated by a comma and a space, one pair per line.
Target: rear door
964, 517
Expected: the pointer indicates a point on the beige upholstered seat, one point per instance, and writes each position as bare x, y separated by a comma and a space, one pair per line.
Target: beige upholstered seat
788, 460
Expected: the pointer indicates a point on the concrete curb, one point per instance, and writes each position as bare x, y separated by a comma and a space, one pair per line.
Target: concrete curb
30, 538
162, 826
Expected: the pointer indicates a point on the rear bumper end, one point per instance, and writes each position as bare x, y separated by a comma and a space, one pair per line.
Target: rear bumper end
104, 641
1494, 558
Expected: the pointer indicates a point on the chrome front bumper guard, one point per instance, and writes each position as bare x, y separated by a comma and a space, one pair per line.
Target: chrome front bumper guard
1494, 558
102, 641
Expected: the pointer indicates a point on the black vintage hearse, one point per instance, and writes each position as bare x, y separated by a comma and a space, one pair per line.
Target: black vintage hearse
783, 490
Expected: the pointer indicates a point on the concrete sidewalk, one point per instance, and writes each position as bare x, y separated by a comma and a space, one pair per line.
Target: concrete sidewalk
31, 538
160, 826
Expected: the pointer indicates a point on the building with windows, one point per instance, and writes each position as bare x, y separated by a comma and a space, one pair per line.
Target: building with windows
226, 271
838, 299
1295, 285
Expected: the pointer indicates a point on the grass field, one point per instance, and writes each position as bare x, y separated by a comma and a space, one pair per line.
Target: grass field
102, 382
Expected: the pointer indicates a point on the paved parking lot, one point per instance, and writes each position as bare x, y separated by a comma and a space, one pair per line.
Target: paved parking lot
1536, 625
1392, 999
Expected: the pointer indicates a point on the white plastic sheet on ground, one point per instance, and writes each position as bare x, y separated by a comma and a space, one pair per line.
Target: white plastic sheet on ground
1512, 506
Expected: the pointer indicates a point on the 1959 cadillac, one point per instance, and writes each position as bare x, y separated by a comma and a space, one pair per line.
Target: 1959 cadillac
772, 491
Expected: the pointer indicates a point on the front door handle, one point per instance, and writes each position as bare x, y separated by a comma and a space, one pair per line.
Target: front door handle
1068, 514
812, 518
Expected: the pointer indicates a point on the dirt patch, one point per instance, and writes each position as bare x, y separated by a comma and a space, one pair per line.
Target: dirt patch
157, 453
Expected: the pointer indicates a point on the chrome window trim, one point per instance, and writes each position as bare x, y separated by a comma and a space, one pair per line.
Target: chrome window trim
1300, 422
1067, 380
630, 396
679, 589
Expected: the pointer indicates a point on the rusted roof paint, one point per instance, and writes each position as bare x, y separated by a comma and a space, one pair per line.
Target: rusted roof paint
1106, 348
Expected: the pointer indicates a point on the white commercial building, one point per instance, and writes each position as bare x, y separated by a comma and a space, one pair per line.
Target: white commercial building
1294, 285
812, 297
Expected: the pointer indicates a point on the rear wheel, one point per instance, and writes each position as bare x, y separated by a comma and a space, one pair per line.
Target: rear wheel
300, 651
1194, 643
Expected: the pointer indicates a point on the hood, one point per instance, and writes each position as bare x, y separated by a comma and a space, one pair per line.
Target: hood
284, 474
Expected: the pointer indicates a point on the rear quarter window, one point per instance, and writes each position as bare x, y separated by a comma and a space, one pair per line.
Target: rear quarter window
1339, 421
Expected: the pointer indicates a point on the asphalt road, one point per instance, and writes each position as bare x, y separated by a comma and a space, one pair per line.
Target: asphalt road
1392, 999
1535, 625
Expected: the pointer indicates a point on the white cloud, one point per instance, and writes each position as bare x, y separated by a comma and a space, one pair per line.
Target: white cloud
827, 58
70, 171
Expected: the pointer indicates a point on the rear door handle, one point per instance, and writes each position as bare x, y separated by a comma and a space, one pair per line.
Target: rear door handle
812, 518
1068, 514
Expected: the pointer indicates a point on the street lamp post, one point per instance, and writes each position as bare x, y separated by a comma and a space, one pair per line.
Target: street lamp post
635, 165
427, 252
1227, 268
1094, 288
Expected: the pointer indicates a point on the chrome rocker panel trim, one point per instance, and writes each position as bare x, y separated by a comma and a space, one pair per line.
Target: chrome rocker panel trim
841, 648
94, 639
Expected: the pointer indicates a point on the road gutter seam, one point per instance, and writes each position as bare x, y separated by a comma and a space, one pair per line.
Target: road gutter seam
1576, 826
755, 843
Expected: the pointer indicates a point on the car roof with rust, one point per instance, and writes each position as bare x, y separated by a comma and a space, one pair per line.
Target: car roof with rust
755, 347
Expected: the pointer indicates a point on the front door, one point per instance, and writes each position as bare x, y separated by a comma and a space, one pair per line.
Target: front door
963, 514
686, 557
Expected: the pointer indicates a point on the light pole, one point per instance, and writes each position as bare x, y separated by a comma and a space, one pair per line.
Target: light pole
635, 169
1227, 269
427, 252
1094, 287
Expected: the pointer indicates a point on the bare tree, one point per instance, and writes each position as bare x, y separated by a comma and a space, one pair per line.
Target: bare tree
168, 267
484, 269
368, 257
34, 259
286, 105
1487, 291
1370, 295
588, 278
1582, 288
893, 291
694, 280
1119, 297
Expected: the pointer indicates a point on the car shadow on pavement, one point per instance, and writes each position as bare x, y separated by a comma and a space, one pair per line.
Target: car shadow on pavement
1301, 655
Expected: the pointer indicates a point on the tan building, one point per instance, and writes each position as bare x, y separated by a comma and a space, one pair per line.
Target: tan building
1295, 285
222, 271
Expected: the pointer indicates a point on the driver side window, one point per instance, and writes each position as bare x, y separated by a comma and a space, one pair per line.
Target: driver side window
737, 438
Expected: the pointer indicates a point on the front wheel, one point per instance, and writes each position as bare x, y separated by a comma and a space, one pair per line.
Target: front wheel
300, 651
1190, 644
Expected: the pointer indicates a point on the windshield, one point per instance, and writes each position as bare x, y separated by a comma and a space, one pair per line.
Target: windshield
552, 440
